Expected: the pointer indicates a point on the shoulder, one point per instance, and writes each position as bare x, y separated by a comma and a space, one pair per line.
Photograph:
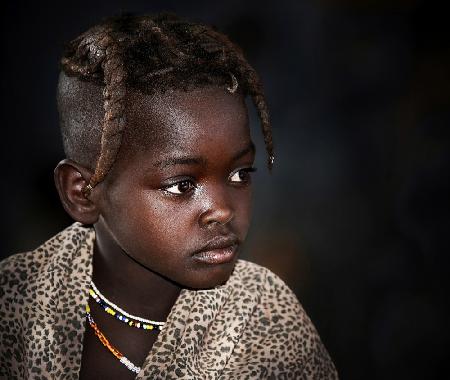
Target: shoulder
16, 270
277, 303
19, 271
275, 295
263, 280
29, 292
280, 325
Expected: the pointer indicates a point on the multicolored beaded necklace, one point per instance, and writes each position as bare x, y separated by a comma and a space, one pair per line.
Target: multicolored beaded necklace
123, 359
122, 315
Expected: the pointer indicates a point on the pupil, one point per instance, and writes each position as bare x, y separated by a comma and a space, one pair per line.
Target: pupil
183, 186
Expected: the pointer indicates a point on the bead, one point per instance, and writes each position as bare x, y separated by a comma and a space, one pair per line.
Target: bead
122, 315
124, 360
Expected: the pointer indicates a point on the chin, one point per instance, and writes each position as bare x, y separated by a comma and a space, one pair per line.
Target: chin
211, 277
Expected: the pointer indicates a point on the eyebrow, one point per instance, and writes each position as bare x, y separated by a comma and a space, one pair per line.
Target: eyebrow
200, 160
249, 149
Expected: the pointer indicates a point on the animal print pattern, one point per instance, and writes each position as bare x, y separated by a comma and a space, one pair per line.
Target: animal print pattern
252, 327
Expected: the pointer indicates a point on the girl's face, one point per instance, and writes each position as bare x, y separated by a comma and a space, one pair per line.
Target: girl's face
178, 199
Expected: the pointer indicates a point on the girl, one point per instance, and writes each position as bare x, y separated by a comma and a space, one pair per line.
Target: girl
146, 283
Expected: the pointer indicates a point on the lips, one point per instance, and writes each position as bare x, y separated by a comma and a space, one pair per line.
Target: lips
218, 251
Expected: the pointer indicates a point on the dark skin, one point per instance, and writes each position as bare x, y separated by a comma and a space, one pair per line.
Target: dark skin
180, 181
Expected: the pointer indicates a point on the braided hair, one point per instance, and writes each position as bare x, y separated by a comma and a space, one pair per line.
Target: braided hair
155, 53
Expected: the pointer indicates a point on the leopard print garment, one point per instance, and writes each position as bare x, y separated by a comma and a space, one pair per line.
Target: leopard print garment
250, 328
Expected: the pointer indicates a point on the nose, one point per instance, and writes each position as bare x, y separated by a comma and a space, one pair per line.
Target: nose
217, 209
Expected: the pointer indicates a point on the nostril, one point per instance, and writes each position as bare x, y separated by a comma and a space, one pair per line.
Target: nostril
219, 217
221, 221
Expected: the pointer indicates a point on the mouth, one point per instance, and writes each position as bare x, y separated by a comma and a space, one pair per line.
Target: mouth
217, 252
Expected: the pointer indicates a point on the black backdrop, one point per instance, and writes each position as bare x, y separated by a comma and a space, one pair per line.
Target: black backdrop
355, 215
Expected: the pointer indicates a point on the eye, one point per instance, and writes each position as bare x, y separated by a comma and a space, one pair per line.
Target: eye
180, 187
242, 175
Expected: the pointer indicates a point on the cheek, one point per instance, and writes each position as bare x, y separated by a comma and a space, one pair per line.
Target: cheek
244, 211
241, 203
153, 221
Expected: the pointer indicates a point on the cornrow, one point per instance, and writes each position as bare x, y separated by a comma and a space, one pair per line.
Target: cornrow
156, 53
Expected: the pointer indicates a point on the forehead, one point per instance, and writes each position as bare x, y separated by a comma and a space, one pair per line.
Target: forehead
185, 120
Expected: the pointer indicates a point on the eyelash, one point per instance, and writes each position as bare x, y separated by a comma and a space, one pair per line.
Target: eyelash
247, 172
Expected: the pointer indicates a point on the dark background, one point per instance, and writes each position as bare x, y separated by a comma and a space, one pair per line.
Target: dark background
355, 217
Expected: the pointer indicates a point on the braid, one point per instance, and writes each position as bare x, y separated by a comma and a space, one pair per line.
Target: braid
155, 53
255, 90
260, 103
114, 105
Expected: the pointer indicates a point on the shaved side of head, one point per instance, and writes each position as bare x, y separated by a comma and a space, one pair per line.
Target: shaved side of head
80, 108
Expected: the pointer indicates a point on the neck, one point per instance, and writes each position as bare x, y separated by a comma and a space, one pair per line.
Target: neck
127, 283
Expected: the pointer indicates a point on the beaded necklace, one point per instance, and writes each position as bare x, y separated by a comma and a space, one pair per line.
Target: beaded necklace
123, 359
122, 315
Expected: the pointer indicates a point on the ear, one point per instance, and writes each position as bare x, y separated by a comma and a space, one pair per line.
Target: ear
70, 178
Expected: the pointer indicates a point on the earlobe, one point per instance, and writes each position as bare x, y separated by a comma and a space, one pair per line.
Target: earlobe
70, 178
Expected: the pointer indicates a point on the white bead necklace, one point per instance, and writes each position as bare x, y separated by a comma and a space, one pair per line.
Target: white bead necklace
123, 312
